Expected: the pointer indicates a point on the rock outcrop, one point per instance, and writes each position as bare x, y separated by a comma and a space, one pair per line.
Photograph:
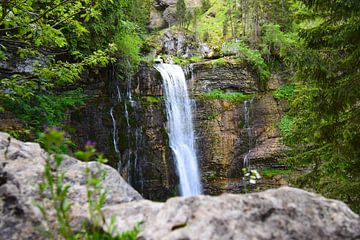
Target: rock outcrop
21, 170
222, 140
163, 13
284, 213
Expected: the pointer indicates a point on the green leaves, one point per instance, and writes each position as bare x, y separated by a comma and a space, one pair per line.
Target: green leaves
235, 97
325, 107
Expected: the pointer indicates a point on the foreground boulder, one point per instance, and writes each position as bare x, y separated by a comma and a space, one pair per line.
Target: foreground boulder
21, 170
285, 213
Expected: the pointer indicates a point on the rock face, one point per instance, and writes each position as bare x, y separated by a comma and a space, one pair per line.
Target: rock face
145, 159
143, 156
228, 131
285, 213
163, 13
21, 170
228, 76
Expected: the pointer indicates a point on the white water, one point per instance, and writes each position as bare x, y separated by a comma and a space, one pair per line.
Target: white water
114, 133
181, 131
247, 107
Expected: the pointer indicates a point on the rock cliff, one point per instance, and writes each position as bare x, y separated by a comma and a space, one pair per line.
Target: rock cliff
285, 213
222, 137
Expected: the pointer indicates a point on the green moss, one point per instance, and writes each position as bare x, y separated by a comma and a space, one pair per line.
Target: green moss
235, 97
269, 173
150, 100
218, 62
185, 61
211, 177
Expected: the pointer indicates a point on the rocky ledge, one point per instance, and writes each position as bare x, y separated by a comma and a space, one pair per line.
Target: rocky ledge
285, 213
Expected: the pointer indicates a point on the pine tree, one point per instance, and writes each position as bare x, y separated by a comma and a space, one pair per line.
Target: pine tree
327, 107
181, 12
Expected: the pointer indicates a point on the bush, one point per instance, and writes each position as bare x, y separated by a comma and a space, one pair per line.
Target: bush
284, 92
244, 52
286, 126
47, 110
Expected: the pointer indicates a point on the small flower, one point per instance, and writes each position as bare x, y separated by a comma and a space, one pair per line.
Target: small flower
90, 143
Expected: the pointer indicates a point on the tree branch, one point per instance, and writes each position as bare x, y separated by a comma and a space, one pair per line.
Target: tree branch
38, 18
67, 18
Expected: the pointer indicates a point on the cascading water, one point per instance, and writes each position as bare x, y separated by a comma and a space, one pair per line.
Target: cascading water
247, 112
181, 131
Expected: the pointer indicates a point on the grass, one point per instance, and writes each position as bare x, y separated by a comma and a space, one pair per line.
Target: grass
213, 26
229, 96
286, 126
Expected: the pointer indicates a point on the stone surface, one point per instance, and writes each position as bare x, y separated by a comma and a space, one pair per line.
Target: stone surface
21, 170
285, 213
144, 158
162, 13
230, 76
222, 142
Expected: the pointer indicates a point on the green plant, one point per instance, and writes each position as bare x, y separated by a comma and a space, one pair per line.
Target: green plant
286, 127
269, 173
244, 52
53, 187
54, 192
48, 109
250, 177
235, 97
284, 92
218, 62
254, 57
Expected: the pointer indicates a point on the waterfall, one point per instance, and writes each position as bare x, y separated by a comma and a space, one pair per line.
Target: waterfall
247, 125
181, 131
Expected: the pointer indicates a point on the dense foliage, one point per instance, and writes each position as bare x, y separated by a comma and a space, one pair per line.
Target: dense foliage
326, 109
47, 46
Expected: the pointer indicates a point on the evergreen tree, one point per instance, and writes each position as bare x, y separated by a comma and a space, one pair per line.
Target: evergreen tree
181, 12
205, 5
326, 109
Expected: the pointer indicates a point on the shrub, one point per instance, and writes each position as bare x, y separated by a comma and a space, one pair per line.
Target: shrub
286, 126
284, 92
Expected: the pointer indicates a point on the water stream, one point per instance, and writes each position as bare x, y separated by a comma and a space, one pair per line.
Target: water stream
180, 128
248, 127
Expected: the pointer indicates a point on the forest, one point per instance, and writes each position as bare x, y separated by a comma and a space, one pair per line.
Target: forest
52, 53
